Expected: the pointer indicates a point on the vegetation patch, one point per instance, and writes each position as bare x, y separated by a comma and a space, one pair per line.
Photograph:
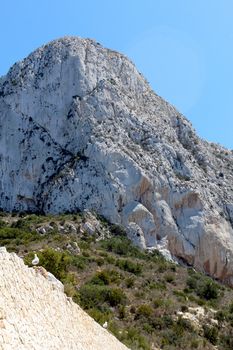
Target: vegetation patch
140, 295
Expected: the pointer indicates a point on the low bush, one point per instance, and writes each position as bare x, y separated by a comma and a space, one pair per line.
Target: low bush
122, 312
192, 283
14, 235
117, 245
91, 296
144, 311
211, 333
129, 282
133, 338
2, 223
106, 277
122, 246
208, 290
169, 278
118, 230
80, 262
129, 265
158, 302
100, 316
116, 296
231, 308
203, 286
53, 261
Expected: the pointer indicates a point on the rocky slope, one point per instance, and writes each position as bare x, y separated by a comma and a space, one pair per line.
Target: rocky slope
81, 128
36, 314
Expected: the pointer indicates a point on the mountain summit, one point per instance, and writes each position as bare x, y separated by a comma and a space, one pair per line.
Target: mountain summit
80, 128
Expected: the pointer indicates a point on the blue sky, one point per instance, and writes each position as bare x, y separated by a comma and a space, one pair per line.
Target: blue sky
183, 47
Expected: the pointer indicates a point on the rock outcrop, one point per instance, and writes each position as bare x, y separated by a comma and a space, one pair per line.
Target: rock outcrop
80, 128
36, 314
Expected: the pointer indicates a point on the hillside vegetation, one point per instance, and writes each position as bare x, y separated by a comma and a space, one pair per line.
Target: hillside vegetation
147, 302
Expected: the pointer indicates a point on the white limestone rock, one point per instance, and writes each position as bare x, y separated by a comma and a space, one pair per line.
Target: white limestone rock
55, 282
36, 314
80, 128
136, 235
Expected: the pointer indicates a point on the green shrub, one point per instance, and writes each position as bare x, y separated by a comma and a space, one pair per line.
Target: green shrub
208, 290
211, 333
84, 244
21, 223
163, 266
110, 259
92, 296
194, 344
80, 262
160, 285
53, 261
169, 278
226, 340
148, 327
2, 223
100, 316
118, 230
69, 289
129, 282
158, 302
144, 310
231, 308
180, 294
116, 296
129, 265
122, 246
181, 325
105, 277
221, 316
122, 312
101, 278
203, 286
192, 283
132, 338
99, 261
116, 245
167, 321
14, 235
10, 233
169, 337
184, 308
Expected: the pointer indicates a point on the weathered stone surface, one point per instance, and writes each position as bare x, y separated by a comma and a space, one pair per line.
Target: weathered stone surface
198, 317
36, 314
80, 128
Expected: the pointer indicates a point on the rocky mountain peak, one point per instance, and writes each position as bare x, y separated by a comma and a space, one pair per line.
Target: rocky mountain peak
80, 128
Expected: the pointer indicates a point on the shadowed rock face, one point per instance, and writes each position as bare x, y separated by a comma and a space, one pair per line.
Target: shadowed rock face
81, 128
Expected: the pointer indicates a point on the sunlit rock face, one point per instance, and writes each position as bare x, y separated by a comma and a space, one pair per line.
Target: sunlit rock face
80, 128
36, 314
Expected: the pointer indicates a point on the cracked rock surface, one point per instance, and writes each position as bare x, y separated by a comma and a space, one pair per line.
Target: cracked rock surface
35, 314
80, 128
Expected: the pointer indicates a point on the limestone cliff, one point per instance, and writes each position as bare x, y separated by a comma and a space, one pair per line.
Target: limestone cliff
35, 314
81, 128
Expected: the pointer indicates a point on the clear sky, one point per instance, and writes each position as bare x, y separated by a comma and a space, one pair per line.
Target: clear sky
183, 47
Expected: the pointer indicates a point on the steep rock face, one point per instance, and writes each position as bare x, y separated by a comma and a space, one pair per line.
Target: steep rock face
35, 314
81, 128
